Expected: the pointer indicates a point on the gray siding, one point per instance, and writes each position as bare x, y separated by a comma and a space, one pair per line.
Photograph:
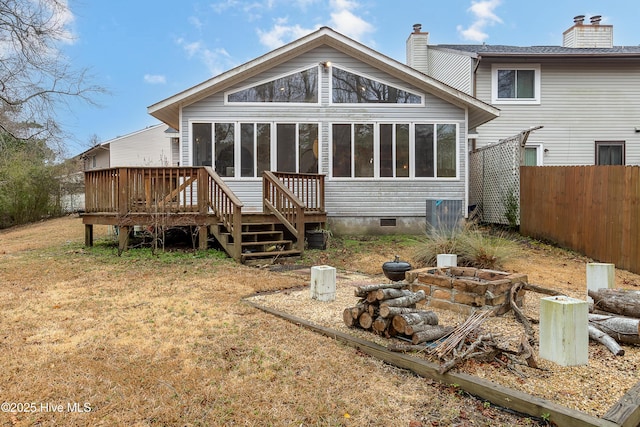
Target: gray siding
346, 198
580, 104
451, 68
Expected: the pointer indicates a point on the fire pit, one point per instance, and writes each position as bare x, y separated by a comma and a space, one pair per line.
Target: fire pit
465, 289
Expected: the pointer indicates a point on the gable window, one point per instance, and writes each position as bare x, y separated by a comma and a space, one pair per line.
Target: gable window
610, 153
517, 84
394, 150
299, 87
351, 88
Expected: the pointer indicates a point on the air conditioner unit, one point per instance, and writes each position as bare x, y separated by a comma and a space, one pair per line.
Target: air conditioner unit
444, 214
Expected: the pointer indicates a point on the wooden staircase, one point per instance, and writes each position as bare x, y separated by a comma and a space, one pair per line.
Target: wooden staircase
292, 203
259, 241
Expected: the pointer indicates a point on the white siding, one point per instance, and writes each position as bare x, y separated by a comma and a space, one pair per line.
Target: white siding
580, 104
148, 147
345, 198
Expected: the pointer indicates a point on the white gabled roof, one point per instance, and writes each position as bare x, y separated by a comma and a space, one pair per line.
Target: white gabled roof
168, 110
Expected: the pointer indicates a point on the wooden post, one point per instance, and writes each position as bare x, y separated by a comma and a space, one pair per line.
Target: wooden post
203, 206
203, 237
123, 191
88, 234
123, 238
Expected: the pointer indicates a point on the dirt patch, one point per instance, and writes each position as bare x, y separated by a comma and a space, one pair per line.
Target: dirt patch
167, 339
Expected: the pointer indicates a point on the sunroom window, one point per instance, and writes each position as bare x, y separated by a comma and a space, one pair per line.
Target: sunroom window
351, 88
299, 87
394, 150
245, 150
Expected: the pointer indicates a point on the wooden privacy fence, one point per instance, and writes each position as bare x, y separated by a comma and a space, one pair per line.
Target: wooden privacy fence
594, 210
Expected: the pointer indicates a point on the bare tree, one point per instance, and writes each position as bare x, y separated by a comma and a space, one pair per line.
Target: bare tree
35, 78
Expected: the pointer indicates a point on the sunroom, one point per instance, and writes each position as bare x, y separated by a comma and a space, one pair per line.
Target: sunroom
387, 139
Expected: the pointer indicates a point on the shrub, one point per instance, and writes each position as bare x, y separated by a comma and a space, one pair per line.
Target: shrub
474, 247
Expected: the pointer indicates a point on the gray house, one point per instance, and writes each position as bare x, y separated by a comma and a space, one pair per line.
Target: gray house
389, 139
585, 93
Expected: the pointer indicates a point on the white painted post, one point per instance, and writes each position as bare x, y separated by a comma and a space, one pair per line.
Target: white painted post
564, 331
447, 260
323, 283
599, 275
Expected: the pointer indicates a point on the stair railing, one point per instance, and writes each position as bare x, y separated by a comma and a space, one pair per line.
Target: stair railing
283, 203
224, 204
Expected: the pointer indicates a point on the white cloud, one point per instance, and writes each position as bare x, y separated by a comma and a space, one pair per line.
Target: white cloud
154, 79
216, 60
483, 12
281, 34
197, 24
345, 22
222, 6
342, 18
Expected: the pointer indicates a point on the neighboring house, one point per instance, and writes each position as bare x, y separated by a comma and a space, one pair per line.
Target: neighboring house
585, 94
155, 145
390, 140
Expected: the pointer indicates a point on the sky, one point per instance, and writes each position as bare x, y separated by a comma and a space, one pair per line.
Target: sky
144, 51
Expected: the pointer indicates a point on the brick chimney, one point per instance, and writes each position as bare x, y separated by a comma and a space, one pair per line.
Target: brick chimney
590, 35
417, 46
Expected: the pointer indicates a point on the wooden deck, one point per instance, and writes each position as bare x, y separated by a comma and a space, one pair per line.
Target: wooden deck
197, 197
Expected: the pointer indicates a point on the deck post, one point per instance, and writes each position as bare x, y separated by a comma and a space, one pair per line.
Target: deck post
123, 238
203, 237
88, 234
123, 191
203, 202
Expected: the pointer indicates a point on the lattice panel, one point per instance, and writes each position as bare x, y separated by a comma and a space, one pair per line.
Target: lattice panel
494, 177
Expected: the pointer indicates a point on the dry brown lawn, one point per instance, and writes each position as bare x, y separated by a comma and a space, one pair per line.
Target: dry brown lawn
90, 338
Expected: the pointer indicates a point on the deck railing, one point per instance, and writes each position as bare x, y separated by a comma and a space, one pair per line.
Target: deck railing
307, 187
225, 205
141, 190
127, 191
283, 203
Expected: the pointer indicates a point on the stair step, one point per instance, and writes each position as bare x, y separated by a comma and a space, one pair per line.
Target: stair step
261, 232
267, 242
250, 255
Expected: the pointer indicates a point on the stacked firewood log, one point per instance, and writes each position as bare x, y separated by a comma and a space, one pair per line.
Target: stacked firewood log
390, 310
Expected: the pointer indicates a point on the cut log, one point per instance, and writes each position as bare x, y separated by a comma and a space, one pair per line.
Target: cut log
606, 340
362, 291
365, 321
621, 329
405, 301
412, 329
381, 324
348, 318
373, 310
386, 311
384, 294
358, 310
431, 334
401, 321
619, 301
